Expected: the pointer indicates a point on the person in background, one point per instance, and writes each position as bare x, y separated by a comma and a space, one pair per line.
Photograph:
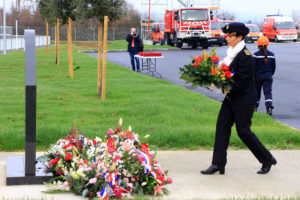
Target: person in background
239, 104
265, 66
133, 40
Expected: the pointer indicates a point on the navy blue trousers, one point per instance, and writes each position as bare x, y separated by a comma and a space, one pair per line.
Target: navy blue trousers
264, 83
132, 58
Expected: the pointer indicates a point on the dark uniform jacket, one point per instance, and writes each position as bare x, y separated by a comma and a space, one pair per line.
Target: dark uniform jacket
262, 69
243, 89
129, 39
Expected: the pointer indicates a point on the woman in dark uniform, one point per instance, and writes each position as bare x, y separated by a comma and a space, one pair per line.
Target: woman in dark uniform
239, 104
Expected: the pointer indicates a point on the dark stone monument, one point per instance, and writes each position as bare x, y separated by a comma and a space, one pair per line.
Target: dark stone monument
20, 170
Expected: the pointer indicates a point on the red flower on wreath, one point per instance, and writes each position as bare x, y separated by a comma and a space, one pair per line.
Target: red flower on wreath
145, 148
54, 161
110, 145
68, 156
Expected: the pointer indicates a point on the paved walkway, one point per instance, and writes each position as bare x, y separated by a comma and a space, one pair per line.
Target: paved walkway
240, 179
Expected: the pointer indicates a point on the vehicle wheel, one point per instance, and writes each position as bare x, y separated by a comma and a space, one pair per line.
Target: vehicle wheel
220, 44
194, 45
179, 44
153, 42
276, 39
162, 42
252, 41
205, 44
295, 40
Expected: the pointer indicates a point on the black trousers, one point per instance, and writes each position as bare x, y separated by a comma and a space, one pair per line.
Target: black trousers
240, 115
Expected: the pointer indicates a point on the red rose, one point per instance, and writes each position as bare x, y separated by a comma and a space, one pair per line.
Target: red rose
195, 65
110, 145
110, 132
129, 135
141, 159
225, 68
169, 179
161, 178
228, 74
215, 59
54, 161
117, 158
145, 148
198, 59
68, 156
59, 172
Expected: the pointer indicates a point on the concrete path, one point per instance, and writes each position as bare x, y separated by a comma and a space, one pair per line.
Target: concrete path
240, 179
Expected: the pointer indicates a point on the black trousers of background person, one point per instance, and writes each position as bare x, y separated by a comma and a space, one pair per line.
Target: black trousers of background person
240, 115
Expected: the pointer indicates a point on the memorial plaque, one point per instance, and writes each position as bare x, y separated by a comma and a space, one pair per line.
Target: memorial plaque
27, 170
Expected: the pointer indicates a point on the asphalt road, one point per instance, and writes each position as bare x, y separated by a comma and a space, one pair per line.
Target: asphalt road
286, 84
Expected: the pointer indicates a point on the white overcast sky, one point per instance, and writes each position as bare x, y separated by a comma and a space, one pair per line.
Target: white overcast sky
243, 9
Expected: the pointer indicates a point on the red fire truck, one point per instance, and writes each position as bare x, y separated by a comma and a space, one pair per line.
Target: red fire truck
216, 33
157, 34
188, 25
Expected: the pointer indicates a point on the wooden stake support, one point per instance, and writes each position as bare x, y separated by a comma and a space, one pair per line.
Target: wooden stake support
99, 58
57, 41
104, 57
70, 47
47, 39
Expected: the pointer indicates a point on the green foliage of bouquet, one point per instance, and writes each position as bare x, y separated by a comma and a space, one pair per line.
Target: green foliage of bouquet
116, 167
207, 71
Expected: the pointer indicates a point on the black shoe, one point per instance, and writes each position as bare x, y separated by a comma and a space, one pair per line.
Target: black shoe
269, 111
213, 169
267, 166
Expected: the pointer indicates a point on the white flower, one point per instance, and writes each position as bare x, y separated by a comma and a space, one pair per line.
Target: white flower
98, 140
144, 183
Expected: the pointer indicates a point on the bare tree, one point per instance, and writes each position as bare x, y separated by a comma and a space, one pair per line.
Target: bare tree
224, 14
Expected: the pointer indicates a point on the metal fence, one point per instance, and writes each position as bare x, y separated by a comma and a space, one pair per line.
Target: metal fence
13, 42
80, 33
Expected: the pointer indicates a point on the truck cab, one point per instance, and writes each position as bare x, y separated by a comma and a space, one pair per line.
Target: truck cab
279, 28
254, 33
217, 35
188, 25
157, 34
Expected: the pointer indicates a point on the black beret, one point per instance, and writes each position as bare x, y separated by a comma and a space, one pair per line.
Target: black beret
236, 28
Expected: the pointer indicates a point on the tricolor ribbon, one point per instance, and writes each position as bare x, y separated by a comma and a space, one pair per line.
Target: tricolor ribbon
112, 178
104, 194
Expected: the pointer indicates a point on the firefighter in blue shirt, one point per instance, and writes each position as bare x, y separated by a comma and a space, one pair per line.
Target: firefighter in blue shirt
265, 66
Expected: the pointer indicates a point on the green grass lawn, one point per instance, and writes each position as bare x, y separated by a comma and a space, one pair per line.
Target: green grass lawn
176, 118
116, 45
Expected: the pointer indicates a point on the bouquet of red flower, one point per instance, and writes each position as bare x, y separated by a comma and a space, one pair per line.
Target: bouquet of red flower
207, 70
